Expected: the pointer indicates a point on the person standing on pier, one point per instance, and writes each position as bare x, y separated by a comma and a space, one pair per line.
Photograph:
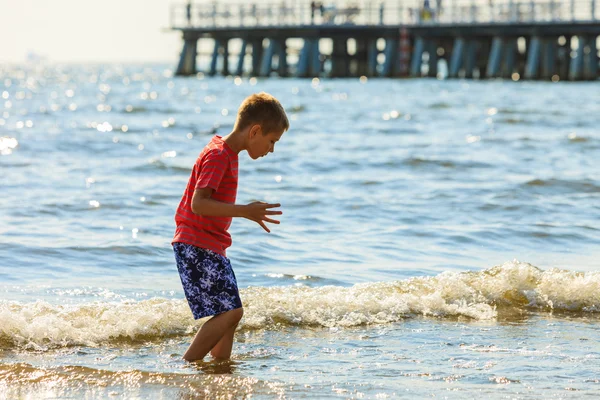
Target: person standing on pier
188, 12
438, 9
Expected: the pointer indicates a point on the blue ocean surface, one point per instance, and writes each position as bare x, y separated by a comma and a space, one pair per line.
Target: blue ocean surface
438, 238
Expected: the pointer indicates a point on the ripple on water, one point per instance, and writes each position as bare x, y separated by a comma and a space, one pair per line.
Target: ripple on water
561, 186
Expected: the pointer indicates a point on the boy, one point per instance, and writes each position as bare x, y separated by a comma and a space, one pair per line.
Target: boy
204, 216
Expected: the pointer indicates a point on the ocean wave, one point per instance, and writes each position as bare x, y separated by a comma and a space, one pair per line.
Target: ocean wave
156, 164
563, 185
472, 295
423, 162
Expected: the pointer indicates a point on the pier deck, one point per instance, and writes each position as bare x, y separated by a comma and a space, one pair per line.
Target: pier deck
549, 39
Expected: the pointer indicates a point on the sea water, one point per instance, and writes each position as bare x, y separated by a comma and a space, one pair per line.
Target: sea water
438, 238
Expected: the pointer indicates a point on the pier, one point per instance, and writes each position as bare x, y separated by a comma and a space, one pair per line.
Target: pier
474, 39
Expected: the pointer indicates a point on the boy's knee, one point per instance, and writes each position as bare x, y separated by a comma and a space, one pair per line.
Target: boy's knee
237, 314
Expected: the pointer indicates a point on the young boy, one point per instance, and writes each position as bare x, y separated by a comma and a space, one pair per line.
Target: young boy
204, 216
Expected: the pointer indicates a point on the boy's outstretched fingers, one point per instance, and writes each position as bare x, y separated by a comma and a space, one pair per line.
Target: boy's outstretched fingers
259, 211
270, 220
264, 226
267, 212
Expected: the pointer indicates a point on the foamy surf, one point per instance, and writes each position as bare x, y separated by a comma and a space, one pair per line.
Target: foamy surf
474, 295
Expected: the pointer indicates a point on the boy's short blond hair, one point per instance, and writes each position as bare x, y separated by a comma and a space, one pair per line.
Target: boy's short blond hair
264, 110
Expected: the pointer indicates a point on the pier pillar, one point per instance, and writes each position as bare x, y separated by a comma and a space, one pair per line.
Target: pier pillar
549, 58
533, 58
563, 55
362, 57
304, 59
590, 67
483, 48
215, 56
433, 58
309, 63
187, 60
417, 57
576, 67
315, 59
282, 65
509, 56
391, 56
240, 65
225, 45
267, 62
372, 53
457, 57
494, 62
404, 53
257, 52
339, 58
470, 58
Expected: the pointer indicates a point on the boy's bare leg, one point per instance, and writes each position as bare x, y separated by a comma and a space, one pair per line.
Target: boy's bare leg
211, 333
222, 350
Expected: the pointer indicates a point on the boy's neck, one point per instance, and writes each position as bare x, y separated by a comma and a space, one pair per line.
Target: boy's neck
236, 140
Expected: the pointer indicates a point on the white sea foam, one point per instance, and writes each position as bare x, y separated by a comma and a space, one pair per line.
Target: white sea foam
475, 295
39, 325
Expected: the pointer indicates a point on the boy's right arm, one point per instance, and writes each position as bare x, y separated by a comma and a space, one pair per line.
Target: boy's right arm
203, 204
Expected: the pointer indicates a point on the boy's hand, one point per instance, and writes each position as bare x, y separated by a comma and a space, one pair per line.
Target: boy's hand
258, 212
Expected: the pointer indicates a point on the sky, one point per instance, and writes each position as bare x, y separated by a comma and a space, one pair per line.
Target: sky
97, 30
88, 31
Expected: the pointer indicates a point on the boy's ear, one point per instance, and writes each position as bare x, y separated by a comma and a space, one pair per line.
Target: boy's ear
254, 130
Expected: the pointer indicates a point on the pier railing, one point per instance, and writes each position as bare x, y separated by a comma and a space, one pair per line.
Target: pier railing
368, 12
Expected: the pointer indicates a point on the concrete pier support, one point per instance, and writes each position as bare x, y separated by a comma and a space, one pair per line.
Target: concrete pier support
482, 53
220, 49
187, 60
240, 64
456, 60
417, 57
576, 67
339, 58
563, 58
404, 53
495, 59
432, 48
501, 61
266, 65
372, 53
534, 50
362, 57
590, 64
309, 64
470, 58
282, 64
257, 52
315, 60
276, 47
391, 57
225, 45
215, 57
548, 58
304, 59
509, 57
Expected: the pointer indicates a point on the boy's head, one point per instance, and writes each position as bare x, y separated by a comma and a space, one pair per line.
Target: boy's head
264, 119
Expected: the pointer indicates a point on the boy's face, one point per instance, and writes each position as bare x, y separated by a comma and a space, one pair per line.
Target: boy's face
260, 145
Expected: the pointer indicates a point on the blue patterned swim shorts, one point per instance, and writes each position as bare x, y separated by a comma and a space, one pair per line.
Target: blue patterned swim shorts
208, 280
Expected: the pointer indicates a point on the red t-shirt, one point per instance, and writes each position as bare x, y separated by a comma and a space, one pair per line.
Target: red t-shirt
215, 168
